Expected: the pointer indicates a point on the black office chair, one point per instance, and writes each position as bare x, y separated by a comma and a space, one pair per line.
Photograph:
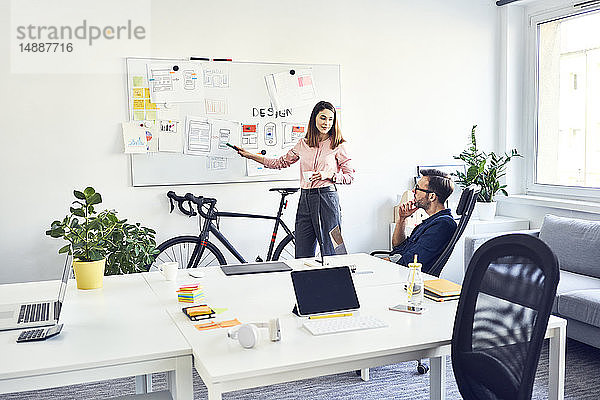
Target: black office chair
465, 206
502, 316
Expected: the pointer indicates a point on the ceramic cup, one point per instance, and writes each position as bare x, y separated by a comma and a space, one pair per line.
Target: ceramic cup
169, 270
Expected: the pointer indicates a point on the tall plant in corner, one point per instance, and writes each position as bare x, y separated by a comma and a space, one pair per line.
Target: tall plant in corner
483, 169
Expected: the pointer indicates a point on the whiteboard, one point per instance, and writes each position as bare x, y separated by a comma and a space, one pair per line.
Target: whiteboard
239, 95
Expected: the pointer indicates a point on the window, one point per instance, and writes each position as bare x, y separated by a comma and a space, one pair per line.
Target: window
567, 116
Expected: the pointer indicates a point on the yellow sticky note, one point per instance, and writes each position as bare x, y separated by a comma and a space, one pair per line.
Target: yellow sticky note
138, 92
147, 93
150, 105
138, 81
138, 104
138, 115
151, 115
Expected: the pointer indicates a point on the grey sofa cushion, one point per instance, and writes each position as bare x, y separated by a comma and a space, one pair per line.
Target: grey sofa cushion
575, 242
582, 305
571, 282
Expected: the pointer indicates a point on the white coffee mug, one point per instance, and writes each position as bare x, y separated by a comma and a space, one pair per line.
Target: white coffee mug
169, 270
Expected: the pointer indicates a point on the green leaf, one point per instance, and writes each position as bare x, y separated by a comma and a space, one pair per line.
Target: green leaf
77, 211
95, 199
89, 191
78, 195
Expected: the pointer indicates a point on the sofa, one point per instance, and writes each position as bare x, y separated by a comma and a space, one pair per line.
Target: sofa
576, 243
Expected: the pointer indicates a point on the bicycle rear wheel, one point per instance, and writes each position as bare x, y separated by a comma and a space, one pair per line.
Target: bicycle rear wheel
286, 249
181, 249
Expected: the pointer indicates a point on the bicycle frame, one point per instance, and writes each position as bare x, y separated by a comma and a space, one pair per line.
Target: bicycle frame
209, 226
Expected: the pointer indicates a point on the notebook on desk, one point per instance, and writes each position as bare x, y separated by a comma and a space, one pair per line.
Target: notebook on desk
37, 313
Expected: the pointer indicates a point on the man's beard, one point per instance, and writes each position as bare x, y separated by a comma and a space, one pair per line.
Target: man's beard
423, 203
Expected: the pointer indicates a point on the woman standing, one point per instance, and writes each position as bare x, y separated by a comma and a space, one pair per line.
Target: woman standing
324, 162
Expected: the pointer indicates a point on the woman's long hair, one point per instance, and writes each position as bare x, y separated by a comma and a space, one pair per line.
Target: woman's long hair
312, 134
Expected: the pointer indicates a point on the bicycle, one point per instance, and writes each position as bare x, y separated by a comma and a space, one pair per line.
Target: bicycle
199, 251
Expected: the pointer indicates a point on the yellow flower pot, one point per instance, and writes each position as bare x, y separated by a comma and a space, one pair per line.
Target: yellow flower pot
89, 274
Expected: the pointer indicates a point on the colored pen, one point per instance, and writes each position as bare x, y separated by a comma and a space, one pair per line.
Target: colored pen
233, 147
222, 59
331, 316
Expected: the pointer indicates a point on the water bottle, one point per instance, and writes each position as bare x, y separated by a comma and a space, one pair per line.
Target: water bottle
414, 284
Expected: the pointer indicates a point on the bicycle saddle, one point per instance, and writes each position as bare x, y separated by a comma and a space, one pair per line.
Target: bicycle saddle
284, 190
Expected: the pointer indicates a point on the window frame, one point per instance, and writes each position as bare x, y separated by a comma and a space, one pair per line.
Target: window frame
532, 93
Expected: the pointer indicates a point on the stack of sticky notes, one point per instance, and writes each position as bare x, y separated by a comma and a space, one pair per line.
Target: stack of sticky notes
190, 293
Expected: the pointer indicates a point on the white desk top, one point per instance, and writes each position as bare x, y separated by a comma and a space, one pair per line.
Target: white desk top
123, 322
259, 297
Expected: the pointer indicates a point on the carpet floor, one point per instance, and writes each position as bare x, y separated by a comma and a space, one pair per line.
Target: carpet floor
398, 381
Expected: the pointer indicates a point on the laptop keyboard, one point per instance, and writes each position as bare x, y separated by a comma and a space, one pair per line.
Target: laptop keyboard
34, 313
325, 326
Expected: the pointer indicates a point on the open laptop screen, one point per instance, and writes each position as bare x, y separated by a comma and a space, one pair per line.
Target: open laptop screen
63, 286
324, 290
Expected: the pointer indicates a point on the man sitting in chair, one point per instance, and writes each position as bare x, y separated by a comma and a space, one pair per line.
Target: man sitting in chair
431, 236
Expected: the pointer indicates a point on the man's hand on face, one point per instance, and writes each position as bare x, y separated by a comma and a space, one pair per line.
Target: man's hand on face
407, 209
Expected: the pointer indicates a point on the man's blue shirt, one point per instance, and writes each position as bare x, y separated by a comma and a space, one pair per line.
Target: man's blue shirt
427, 240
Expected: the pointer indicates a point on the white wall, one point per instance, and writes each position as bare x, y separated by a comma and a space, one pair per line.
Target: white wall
415, 76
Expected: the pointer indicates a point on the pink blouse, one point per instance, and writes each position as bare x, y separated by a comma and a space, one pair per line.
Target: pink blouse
317, 159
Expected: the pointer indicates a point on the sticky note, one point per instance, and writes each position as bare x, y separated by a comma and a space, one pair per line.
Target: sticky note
138, 115
207, 326
147, 93
138, 92
138, 104
138, 81
230, 323
151, 115
150, 105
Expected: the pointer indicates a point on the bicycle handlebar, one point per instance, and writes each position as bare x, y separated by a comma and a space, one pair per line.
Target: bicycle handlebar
199, 201
180, 200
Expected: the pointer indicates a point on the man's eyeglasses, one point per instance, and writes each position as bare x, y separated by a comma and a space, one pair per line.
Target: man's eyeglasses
422, 190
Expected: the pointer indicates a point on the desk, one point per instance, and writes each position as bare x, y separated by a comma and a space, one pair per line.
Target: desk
118, 331
225, 366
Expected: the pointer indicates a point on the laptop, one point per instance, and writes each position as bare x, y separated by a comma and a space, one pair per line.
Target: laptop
259, 268
324, 290
40, 313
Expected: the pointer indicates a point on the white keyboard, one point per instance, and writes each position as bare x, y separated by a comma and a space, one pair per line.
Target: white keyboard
325, 326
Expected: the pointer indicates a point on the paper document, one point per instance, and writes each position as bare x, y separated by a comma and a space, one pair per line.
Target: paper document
134, 137
291, 88
174, 82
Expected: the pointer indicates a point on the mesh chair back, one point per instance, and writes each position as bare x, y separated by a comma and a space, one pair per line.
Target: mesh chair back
502, 316
467, 201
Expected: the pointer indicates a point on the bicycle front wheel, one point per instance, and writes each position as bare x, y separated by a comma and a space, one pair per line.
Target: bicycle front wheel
181, 249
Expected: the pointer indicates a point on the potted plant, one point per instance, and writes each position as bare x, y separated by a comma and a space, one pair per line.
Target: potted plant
485, 170
100, 243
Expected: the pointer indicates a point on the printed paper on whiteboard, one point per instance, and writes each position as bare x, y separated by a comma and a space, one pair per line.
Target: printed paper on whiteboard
175, 82
256, 169
134, 137
208, 137
197, 136
170, 137
288, 90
